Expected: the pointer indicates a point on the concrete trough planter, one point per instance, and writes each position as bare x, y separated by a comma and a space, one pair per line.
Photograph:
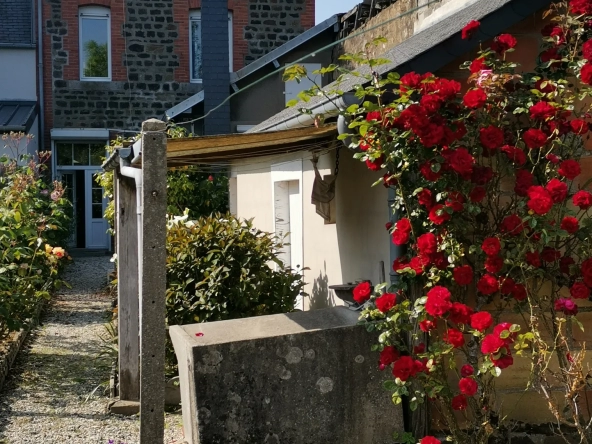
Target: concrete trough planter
305, 377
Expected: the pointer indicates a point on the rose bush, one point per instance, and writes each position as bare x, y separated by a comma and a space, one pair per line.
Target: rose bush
494, 217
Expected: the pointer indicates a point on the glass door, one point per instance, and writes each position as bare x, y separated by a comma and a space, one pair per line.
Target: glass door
96, 226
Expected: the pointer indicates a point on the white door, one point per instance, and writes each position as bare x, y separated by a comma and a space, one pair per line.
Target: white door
96, 226
69, 181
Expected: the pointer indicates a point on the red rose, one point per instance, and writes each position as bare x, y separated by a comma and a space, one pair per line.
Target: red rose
438, 214
519, 292
579, 291
557, 189
491, 344
468, 31
468, 386
427, 244
463, 275
388, 355
455, 201
550, 254
388, 226
400, 264
481, 321
475, 98
389, 180
439, 260
425, 198
533, 258
431, 103
569, 169
477, 65
488, 284
587, 50
540, 201
429, 440
565, 263
460, 313
503, 42
405, 368
402, 231
534, 138
467, 370
477, 194
438, 302
376, 164
427, 172
494, 264
567, 306
481, 175
524, 180
582, 199
503, 362
411, 80
542, 111
362, 292
419, 349
579, 126
552, 158
427, 325
418, 263
507, 286
462, 162
587, 272
430, 135
512, 225
454, 337
491, 137
385, 302
491, 246
586, 73
459, 402
516, 155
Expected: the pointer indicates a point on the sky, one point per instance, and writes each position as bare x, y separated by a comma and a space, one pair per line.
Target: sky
327, 8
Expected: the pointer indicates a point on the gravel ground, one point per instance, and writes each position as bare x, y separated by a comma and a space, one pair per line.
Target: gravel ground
47, 398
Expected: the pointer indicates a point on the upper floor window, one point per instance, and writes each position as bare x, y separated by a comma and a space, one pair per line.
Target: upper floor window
95, 43
195, 45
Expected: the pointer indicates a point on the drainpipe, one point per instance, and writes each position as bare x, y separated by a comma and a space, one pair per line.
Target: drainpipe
40, 76
136, 174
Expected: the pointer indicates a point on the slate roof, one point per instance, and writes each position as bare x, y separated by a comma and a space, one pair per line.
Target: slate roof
16, 23
431, 48
17, 115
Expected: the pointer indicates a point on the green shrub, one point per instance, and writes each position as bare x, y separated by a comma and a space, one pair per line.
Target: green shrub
220, 267
33, 224
199, 192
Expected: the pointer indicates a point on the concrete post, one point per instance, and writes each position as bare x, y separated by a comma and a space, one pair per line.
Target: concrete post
153, 282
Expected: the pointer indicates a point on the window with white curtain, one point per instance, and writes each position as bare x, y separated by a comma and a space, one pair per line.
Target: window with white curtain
195, 45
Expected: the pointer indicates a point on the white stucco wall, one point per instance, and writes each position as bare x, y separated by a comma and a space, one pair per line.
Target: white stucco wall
343, 252
18, 74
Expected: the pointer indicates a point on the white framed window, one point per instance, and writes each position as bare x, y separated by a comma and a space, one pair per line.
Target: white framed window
95, 43
195, 45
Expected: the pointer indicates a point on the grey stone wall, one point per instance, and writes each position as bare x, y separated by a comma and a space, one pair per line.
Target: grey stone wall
271, 24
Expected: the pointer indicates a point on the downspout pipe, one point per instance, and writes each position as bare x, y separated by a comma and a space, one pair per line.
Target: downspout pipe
40, 90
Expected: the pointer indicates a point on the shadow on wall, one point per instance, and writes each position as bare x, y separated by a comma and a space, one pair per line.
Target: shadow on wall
321, 296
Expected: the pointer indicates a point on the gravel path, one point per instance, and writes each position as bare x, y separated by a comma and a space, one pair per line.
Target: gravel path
47, 400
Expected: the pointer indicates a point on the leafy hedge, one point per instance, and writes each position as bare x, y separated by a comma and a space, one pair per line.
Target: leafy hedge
34, 223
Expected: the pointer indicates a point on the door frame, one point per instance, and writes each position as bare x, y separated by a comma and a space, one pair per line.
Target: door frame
88, 219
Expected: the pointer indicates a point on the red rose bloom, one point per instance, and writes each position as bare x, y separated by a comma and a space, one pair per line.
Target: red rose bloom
507, 286
477, 194
491, 344
567, 306
468, 386
375, 165
455, 200
587, 272
462, 162
411, 80
427, 325
503, 42
417, 263
438, 302
481, 321
503, 362
427, 244
516, 155
429, 440
582, 199
491, 246
402, 231
477, 65
557, 189
587, 50
460, 313
475, 98
579, 291
419, 349
550, 254
540, 201
586, 73
385, 302
491, 137
524, 181
459, 402
362, 292
468, 31
438, 214
404, 368
494, 264
388, 226
488, 284
454, 337
533, 258
542, 111
569, 169
519, 292
425, 198
467, 370
428, 173
579, 126
534, 138
552, 158
565, 263
463, 275
388, 355
512, 225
